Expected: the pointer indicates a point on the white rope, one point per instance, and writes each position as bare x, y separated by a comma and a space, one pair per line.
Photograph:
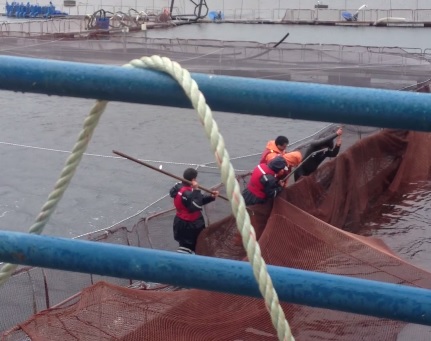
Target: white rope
190, 87
206, 164
201, 165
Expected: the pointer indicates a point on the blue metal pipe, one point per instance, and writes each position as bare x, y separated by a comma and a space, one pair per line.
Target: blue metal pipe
315, 102
296, 286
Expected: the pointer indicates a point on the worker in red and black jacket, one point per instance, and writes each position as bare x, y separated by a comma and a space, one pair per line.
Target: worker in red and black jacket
264, 183
189, 221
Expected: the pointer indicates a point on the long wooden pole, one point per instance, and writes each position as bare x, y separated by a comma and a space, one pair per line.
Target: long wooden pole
164, 172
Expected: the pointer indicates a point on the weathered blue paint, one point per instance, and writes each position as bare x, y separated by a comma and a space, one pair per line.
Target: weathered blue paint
315, 102
302, 287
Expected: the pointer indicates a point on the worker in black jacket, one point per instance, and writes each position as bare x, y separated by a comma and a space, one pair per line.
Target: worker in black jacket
317, 152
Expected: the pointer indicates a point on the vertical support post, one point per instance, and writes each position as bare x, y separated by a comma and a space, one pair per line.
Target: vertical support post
172, 8
200, 9
144, 28
299, 9
279, 9
258, 10
125, 30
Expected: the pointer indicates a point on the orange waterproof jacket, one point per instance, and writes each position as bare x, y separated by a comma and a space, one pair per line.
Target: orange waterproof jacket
293, 159
271, 148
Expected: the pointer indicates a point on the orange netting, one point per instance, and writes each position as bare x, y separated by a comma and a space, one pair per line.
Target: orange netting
300, 229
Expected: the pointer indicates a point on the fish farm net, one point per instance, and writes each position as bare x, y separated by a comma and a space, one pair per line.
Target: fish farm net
310, 226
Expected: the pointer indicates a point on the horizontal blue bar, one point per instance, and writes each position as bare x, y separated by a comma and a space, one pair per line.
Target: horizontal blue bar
306, 101
296, 286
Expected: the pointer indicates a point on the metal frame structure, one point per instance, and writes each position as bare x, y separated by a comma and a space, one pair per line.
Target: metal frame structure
200, 11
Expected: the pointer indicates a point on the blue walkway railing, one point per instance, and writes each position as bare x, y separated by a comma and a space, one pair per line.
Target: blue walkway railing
315, 102
296, 286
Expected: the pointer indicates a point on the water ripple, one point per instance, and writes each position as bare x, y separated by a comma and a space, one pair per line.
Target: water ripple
404, 224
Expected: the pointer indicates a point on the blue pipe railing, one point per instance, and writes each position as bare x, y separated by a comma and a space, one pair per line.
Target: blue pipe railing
342, 293
315, 102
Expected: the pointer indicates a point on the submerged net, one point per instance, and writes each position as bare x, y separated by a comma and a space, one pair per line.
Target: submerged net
304, 228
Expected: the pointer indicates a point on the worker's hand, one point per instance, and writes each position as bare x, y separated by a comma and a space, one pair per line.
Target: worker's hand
215, 194
195, 184
340, 131
282, 183
338, 143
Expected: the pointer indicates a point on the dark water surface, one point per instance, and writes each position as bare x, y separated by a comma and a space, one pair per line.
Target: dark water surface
37, 131
403, 224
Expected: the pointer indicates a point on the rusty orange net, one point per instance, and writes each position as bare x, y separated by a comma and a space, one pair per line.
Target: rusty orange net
305, 228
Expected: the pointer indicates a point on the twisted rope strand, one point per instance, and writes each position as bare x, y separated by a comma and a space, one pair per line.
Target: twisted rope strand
63, 182
190, 87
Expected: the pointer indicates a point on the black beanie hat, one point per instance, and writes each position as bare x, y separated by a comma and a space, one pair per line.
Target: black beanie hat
277, 164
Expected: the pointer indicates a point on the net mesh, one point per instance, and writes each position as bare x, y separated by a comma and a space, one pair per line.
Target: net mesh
306, 227
363, 66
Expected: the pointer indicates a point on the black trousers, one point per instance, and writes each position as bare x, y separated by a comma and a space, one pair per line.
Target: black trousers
250, 198
186, 233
